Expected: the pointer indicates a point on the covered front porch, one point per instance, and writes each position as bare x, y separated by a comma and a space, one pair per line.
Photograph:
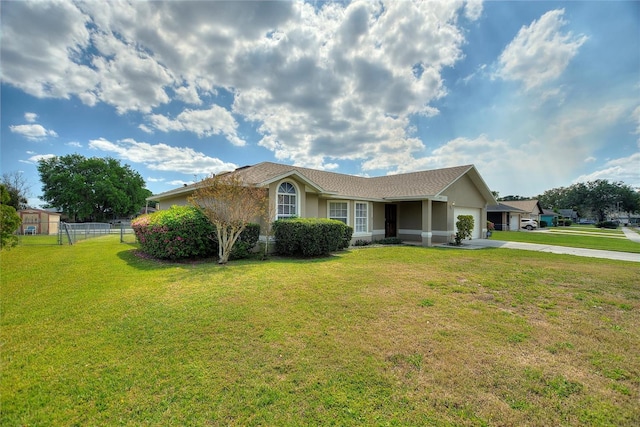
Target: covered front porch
427, 222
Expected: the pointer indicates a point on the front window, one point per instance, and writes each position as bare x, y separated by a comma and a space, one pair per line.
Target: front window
362, 218
287, 200
338, 210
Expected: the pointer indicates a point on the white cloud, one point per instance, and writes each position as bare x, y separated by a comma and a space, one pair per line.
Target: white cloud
623, 169
540, 52
33, 132
336, 81
36, 158
30, 117
162, 157
74, 144
214, 121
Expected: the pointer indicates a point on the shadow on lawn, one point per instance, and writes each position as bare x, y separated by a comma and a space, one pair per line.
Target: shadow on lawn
140, 260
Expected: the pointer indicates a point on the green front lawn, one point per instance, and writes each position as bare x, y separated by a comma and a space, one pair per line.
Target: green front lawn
566, 237
408, 336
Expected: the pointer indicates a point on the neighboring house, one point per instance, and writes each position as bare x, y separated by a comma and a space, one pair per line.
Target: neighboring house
569, 213
504, 217
548, 216
420, 206
38, 221
531, 208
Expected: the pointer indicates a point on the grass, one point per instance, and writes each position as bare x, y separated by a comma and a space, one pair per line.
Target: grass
94, 335
610, 240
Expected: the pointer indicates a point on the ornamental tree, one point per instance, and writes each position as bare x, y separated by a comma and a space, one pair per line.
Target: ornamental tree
230, 205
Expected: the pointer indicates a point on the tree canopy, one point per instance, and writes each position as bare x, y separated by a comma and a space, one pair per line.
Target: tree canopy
598, 198
91, 189
9, 220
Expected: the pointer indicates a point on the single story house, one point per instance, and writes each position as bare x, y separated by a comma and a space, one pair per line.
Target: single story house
504, 217
549, 216
531, 208
38, 221
420, 206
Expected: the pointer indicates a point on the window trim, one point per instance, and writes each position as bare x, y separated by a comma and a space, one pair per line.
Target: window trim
365, 217
346, 218
296, 203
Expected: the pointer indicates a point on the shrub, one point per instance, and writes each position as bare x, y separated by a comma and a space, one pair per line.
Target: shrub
178, 232
607, 224
185, 232
310, 237
361, 242
544, 224
465, 226
246, 242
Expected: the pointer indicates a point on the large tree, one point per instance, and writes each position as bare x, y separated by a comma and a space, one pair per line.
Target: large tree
599, 198
91, 189
230, 205
9, 220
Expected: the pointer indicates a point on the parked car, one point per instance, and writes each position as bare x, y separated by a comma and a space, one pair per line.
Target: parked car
528, 223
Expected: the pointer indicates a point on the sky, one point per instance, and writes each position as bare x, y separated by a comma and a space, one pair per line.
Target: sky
537, 95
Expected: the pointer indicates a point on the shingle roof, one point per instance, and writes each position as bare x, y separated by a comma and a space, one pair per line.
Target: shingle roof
525, 205
408, 185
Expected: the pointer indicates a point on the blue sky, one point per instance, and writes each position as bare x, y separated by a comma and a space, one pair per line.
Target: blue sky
537, 95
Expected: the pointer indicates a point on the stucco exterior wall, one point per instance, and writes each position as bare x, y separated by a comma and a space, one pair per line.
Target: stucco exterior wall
464, 193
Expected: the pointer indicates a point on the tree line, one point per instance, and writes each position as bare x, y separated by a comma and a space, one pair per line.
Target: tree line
598, 199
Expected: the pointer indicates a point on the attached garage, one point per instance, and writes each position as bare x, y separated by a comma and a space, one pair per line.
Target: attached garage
476, 214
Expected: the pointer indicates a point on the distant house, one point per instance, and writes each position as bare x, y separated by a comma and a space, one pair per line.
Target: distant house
38, 221
419, 206
569, 213
505, 217
548, 216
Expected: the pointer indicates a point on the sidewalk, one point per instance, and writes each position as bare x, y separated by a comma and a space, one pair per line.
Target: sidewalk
592, 253
631, 234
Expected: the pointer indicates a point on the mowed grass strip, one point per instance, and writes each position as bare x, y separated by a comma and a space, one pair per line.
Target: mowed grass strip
575, 240
94, 335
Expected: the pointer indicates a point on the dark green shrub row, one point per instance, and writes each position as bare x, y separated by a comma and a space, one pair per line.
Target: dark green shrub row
310, 237
185, 232
607, 224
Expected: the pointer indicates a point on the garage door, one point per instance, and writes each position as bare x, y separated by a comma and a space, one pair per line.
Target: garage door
475, 213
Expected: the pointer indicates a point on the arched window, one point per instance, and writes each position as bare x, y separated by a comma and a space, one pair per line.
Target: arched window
287, 200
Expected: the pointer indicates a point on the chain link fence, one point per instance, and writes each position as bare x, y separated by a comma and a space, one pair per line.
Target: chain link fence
60, 233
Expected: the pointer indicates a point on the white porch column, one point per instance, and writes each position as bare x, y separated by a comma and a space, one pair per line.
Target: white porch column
427, 232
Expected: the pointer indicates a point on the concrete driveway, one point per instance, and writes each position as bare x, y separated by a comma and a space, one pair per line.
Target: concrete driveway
592, 253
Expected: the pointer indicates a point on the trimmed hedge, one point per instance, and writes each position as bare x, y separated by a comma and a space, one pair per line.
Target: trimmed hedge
607, 224
185, 232
309, 237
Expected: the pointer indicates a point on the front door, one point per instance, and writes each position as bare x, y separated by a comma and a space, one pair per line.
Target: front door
390, 220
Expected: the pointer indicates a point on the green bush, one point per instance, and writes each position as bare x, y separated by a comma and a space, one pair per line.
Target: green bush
607, 224
246, 242
544, 224
310, 237
185, 232
465, 227
178, 232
